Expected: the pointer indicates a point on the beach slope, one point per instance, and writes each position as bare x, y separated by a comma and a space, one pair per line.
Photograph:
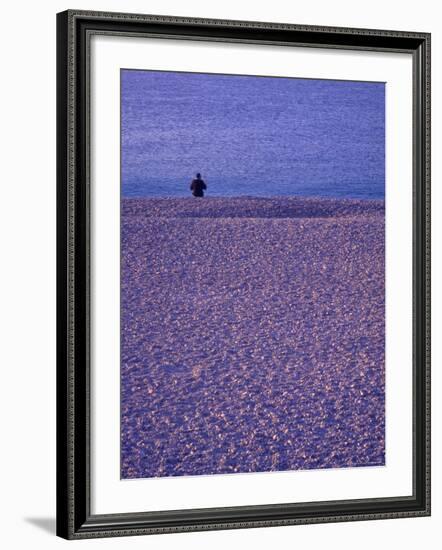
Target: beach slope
252, 335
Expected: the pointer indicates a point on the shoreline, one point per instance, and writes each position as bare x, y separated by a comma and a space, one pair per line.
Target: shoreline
247, 206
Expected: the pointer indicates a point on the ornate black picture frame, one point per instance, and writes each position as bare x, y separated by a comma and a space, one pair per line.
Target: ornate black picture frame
74, 518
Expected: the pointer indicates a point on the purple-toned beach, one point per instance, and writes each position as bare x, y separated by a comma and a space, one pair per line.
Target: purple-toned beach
252, 335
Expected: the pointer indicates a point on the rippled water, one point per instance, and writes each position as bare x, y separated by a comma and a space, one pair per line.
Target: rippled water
251, 135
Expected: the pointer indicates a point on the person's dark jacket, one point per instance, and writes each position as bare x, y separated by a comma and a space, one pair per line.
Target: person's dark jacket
197, 187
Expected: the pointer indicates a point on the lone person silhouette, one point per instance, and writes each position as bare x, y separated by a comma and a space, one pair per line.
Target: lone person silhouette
198, 186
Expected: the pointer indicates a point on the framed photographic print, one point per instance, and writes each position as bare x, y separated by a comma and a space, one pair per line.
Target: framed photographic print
243, 274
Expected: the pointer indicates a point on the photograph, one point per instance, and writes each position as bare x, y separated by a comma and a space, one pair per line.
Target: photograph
243, 273
252, 289
217, 275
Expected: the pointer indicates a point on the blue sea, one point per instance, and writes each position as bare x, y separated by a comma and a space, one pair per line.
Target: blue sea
251, 135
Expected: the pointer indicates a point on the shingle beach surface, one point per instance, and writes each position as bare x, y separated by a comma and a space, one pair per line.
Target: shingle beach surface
252, 335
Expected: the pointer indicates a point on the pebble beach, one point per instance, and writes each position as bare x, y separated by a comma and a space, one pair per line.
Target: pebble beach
252, 335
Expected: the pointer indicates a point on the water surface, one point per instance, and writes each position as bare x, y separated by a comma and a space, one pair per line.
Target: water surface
251, 135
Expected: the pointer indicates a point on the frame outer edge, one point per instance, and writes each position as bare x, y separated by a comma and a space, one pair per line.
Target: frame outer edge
67, 500
70, 524
184, 20
63, 446
427, 267
73, 504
